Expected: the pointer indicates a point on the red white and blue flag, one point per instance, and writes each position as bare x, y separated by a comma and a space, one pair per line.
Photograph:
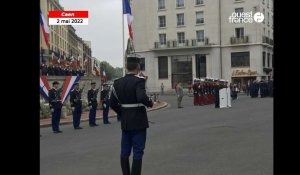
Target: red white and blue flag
72, 64
68, 86
127, 12
45, 28
44, 87
85, 63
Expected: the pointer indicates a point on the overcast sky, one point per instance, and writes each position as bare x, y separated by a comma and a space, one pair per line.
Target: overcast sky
104, 29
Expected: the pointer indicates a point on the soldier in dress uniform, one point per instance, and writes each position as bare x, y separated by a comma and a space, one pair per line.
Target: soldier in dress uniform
201, 93
179, 95
81, 72
256, 88
56, 70
270, 87
217, 100
74, 73
50, 70
76, 105
105, 103
55, 106
129, 100
195, 91
68, 72
205, 92
92, 103
44, 71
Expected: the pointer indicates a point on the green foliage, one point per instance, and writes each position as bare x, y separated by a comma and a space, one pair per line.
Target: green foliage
44, 111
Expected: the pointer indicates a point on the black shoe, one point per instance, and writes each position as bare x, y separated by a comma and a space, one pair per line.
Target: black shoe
107, 123
93, 125
180, 107
125, 166
58, 131
78, 127
136, 168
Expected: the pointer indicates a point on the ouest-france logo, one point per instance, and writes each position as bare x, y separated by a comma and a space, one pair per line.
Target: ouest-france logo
246, 17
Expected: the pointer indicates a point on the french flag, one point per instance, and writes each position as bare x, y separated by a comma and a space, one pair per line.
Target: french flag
68, 86
44, 87
85, 63
127, 11
45, 28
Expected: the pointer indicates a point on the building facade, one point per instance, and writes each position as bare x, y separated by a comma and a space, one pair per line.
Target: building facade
185, 39
63, 38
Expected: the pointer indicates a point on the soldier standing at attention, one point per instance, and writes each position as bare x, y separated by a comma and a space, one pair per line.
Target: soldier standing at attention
179, 91
92, 103
128, 100
55, 106
105, 103
76, 105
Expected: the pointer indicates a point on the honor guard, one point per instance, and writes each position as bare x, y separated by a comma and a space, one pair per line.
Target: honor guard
55, 106
105, 103
76, 105
195, 92
129, 100
92, 103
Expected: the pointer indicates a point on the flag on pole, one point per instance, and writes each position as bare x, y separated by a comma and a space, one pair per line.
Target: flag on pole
53, 60
127, 12
96, 68
58, 57
72, 62
64, 60
78, 61
45, 28
85, 63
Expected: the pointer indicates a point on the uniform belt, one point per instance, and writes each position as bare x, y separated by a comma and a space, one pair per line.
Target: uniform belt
132, 105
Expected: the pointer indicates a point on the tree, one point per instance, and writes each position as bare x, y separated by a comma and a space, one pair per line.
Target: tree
118, 72
109, 70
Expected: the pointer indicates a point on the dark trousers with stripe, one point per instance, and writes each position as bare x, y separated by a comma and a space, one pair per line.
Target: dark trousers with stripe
135, 140
92, 116
55, 119
105, 114
76, 116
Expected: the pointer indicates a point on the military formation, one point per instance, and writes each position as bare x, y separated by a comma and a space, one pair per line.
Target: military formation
56, 104
206, 91
263, 88
59, 70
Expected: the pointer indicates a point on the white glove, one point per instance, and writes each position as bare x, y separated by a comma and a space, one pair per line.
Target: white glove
104, 105
73, 108
52, 110
90, 107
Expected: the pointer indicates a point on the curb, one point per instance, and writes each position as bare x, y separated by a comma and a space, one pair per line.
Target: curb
164, 104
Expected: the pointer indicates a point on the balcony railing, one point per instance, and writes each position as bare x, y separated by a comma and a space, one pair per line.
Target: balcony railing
184, 43
239, 40
267, 40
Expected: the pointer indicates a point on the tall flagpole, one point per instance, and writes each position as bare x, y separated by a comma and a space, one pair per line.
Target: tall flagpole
123, 37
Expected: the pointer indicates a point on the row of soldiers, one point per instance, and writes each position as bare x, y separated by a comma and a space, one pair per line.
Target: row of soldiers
206, 91
262, 88
55, 104
60, 71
